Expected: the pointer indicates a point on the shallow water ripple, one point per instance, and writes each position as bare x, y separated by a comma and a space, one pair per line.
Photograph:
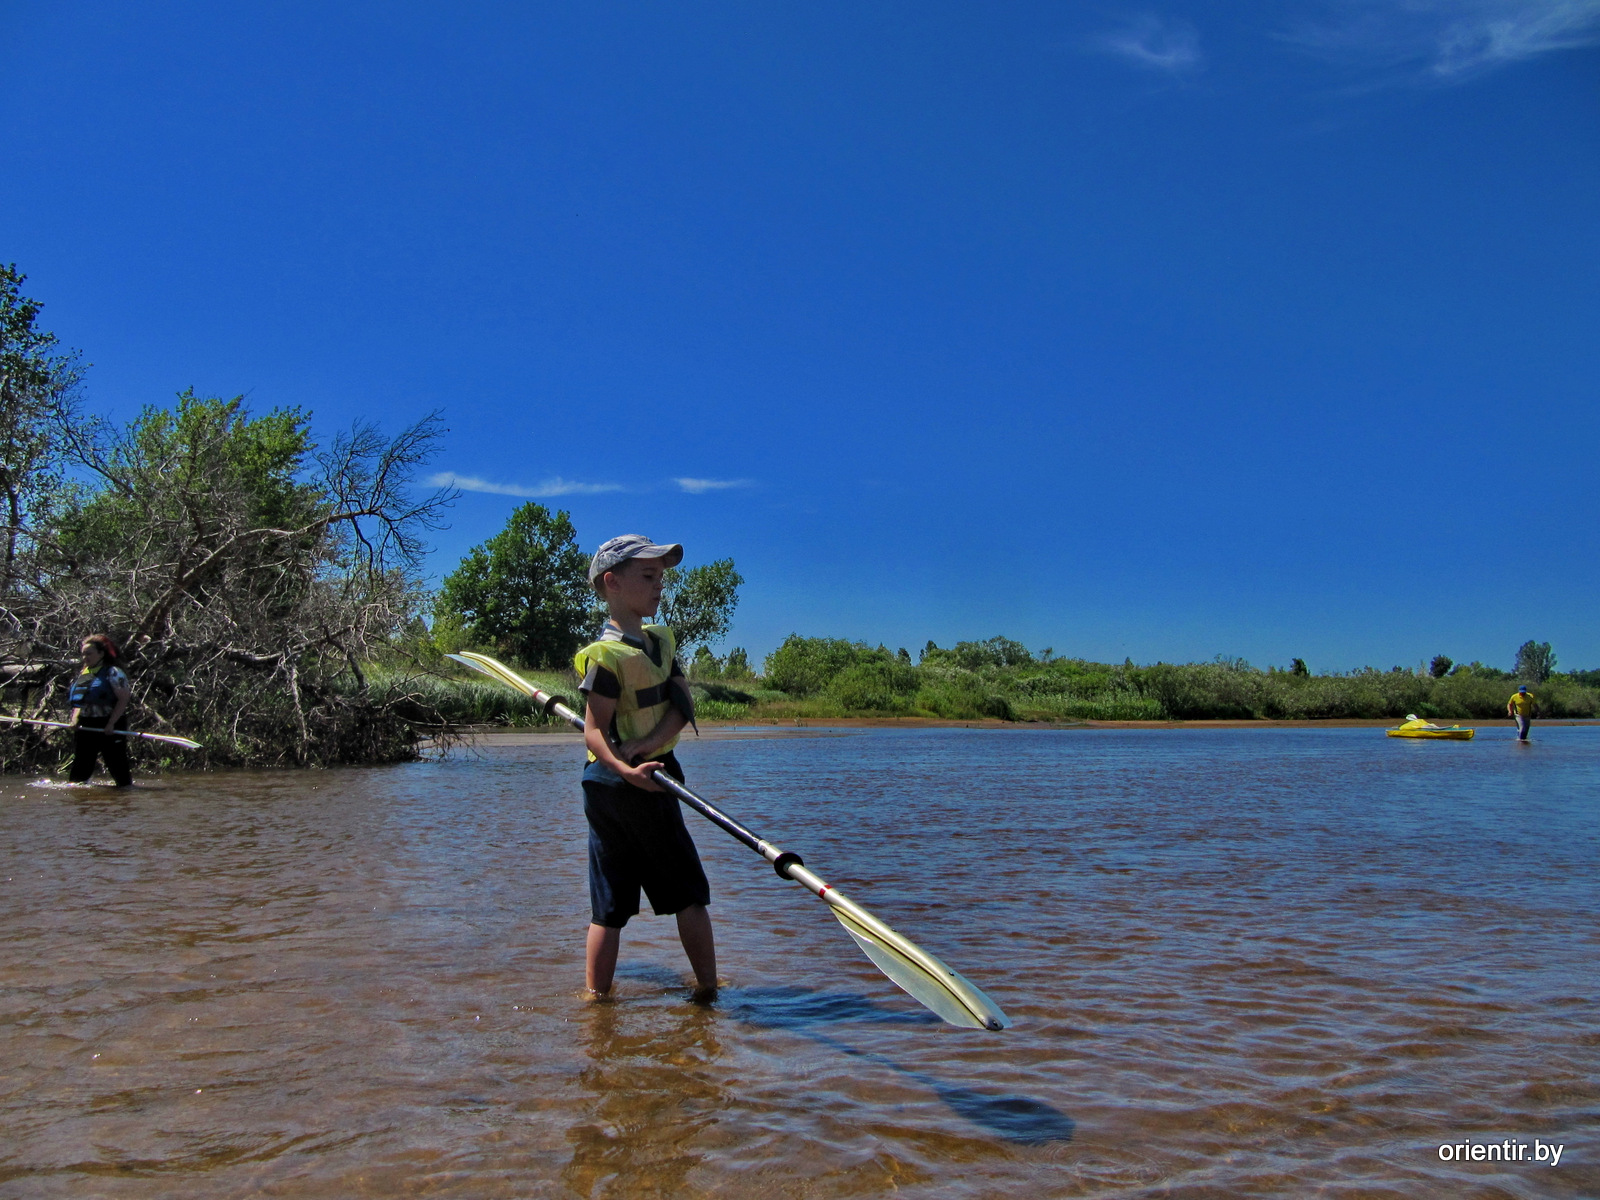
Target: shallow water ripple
1242, 963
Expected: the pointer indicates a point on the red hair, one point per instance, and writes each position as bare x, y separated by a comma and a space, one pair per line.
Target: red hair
107, 646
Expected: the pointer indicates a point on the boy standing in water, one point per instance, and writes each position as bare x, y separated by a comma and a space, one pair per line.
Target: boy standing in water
637, 702
1520, 706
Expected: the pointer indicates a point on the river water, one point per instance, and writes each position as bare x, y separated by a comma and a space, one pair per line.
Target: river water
1261, 962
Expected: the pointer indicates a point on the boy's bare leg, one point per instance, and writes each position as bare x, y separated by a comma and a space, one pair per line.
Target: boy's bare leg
600, 957
694, 931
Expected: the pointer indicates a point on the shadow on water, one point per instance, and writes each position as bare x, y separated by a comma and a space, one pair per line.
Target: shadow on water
1018, 1119
797, 1009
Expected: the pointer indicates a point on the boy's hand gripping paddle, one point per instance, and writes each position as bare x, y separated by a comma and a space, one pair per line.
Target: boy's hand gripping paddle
925, 977
169, 738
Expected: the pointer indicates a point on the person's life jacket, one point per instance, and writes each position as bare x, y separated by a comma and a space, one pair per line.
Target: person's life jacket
94, 692
645, 677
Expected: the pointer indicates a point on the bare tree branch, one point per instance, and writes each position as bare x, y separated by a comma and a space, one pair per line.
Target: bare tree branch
248, 579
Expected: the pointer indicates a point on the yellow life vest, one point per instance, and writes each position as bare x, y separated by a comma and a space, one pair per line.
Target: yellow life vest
646, 684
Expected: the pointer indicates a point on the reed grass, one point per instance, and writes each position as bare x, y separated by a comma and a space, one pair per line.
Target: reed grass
832, 679
999, 678
470, 699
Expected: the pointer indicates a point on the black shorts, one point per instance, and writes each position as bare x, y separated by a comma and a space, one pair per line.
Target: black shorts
637, 840
90, 742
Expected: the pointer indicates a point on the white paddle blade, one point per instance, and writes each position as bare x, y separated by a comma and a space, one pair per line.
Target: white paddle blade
494, 670
173, 740
949, 994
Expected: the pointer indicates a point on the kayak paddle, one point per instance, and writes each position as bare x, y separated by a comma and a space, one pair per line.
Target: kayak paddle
170, 739
928, 980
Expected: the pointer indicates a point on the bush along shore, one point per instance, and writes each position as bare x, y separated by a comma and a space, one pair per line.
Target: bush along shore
821, 678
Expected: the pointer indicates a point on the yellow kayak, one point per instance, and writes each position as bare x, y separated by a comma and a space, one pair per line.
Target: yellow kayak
1416, 727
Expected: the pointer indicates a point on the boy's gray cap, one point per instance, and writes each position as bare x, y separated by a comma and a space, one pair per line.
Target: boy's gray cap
631, 545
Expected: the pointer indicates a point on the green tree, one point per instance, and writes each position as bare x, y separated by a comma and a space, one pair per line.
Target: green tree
803, 666
705, 665
698, 603
1536, 662
37, 383
1440, 666
247, 575
996, 652
212, 490
738, 665
525, 591
1297, 666
882, 684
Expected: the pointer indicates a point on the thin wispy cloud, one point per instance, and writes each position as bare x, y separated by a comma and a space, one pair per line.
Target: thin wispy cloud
1448, 40
555, 486
699, 486
1157, 43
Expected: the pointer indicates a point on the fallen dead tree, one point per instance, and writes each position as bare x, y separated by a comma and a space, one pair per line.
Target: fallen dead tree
247, 573
247, 576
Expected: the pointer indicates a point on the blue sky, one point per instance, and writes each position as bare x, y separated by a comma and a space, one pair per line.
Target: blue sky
1152, 331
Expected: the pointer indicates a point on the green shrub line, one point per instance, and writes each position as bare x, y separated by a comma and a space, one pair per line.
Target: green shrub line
468, 700
999, 679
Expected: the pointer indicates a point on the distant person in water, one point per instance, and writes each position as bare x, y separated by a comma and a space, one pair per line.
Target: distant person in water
637, 701
1521, 706
99, 701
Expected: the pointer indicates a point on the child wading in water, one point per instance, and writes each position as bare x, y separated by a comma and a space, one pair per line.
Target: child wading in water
637, 703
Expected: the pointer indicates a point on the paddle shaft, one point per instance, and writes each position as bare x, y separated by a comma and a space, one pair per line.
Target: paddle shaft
787, 865
554, 707
971, 1007
153, 737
